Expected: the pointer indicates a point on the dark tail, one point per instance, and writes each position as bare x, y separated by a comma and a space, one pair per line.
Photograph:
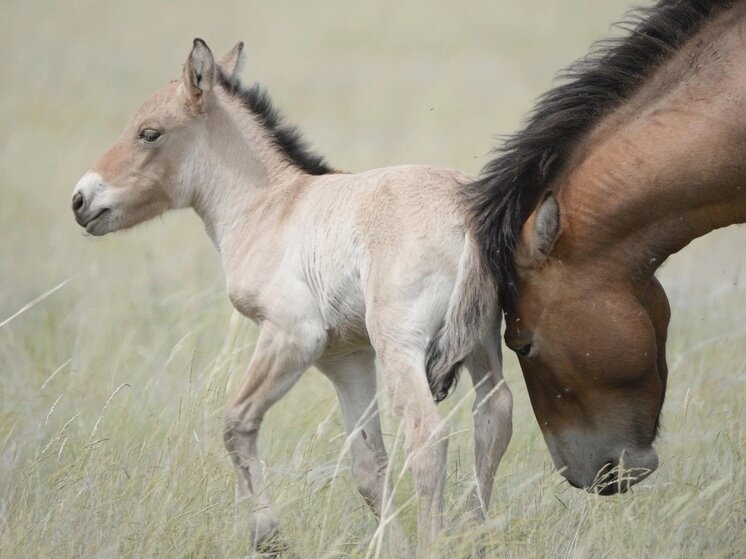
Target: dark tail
472, 307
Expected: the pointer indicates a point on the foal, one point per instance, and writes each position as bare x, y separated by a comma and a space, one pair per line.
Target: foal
338, 270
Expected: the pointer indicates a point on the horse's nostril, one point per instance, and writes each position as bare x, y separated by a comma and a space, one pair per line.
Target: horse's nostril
607, 480
78, 201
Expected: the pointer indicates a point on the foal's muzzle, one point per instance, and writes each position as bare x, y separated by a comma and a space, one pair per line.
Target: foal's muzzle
86, 202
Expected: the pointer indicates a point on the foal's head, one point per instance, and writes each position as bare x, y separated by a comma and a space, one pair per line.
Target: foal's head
592, 349
155, 163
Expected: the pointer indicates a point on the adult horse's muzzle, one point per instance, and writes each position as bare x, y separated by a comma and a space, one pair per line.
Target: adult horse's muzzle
616, 476
599, 466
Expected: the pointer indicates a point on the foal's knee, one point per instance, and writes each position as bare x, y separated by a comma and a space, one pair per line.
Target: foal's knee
370, 475
238, 429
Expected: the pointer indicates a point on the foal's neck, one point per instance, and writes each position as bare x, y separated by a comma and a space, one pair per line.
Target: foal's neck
669, 166
245, 179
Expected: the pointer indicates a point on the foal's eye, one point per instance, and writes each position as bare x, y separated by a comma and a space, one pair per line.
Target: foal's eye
522, 349
149, 135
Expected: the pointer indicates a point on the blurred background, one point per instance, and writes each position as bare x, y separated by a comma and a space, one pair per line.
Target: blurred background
112, 386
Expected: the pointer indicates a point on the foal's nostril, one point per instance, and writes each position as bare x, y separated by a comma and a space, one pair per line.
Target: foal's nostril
78, 201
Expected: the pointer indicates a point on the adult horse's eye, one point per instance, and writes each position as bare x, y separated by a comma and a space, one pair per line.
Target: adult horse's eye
149, 135
522, 349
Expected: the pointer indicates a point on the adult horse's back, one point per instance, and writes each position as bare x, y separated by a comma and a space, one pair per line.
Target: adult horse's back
640, 151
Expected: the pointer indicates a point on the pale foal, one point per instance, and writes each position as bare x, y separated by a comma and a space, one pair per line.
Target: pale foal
340, 270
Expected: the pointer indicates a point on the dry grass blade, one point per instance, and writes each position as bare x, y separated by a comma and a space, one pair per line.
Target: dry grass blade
34, 302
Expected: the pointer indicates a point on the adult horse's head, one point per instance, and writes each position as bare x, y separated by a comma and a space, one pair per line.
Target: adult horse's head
639, 152
591, 343
155, 163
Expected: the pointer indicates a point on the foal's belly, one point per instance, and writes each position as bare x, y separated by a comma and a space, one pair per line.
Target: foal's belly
345, 319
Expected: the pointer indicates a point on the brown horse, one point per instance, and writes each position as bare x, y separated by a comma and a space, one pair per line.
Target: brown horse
641, 150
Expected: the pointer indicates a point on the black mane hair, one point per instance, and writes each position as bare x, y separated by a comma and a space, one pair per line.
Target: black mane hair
512, 184
285, 137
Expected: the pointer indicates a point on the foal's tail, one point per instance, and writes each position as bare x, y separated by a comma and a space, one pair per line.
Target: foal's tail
472, 308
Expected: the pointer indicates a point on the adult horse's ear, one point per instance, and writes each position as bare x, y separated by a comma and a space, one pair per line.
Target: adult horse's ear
232, 63
199, 72
539, 233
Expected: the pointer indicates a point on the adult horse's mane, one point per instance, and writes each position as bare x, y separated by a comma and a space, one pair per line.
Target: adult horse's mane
512, 184
285, 137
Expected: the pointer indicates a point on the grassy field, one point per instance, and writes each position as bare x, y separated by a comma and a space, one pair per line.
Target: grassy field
112, 386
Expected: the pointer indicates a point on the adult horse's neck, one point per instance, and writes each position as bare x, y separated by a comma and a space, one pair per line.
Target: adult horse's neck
245, 178
667, 167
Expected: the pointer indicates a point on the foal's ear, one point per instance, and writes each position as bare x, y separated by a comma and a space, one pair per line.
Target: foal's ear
539, 233
199, 72
232, 63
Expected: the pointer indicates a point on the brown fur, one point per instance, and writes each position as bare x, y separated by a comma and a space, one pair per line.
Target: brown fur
666, 167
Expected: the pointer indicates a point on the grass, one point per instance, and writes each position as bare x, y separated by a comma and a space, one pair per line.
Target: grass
112, 385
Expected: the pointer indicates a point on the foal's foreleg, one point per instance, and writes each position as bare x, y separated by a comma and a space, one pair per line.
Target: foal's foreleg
278, 361
354, 378
493, 427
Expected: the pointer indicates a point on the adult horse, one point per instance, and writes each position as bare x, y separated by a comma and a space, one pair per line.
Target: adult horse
337, 269
640, 151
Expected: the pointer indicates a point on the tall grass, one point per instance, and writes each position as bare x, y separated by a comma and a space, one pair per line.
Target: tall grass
116, 354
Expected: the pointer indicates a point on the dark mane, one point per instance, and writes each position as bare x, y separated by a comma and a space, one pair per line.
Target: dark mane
512, 184
287, 138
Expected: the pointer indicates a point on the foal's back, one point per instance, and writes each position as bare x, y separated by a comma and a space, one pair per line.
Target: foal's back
382, 239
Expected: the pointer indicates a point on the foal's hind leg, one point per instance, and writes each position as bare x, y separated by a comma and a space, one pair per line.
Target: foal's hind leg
354, 378
425, 434
493, 427
278, 361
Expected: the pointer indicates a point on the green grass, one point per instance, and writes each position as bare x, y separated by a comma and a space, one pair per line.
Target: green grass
111, 388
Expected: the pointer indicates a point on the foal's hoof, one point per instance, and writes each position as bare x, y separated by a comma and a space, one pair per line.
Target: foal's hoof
272, 543
274, 546
268, 538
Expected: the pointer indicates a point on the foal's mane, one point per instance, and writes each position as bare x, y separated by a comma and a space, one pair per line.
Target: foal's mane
512, 184
285, 137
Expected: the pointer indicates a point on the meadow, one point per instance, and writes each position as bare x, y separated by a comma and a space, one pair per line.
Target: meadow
117, 354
